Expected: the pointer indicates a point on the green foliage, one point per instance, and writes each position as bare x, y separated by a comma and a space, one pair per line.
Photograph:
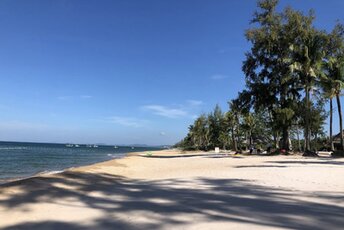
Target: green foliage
233, 129
207, 132
289, 70
285, 62
283, 115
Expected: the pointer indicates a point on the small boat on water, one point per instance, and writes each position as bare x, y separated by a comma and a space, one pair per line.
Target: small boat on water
72, 145
116, 147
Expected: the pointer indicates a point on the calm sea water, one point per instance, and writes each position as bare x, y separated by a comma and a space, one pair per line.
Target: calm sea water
20, 160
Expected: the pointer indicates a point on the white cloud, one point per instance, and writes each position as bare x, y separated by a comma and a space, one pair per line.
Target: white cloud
64, 98
218, 77
86, 96
166, 111
126, 121
194, 102
162, 134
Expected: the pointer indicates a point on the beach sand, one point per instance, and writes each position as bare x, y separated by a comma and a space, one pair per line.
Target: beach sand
172, 190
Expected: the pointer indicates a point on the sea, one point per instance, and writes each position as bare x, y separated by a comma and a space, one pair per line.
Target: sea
20, 160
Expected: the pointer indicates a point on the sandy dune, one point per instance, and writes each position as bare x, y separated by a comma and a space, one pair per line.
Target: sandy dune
170, 190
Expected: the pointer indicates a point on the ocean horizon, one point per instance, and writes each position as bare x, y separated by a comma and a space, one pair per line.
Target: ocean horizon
19, 160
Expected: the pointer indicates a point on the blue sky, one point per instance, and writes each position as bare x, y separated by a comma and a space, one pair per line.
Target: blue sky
123, 72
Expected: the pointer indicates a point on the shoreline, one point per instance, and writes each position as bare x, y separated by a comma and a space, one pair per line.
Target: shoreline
22, 160
55, 172
228, 153
113, 160
125, 155
80, 167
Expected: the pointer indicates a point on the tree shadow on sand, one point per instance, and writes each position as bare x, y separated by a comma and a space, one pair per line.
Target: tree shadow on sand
164, 201
320, 161
261, 166
205, 155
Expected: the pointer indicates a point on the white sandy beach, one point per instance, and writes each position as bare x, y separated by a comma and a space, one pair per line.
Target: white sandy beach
170, 190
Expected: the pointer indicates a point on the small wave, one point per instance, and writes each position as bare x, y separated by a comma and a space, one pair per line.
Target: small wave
51, 172
11, 179
12, 148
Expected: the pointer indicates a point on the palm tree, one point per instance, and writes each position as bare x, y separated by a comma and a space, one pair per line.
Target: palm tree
234, 106
334, 68
199, 129
232, 124
307, 63
327, 85
336, 71
249, 125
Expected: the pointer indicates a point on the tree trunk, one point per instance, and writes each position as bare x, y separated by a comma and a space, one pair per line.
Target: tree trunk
307, 113
285, 128
315, 142
340, 121
247, 142
298, 138
276, 140
310, 140
235, 144
285, 139
237, 132
331, 118
274, 132
304, 141
251, 141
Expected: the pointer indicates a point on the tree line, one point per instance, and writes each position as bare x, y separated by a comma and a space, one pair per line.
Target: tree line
291, 70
